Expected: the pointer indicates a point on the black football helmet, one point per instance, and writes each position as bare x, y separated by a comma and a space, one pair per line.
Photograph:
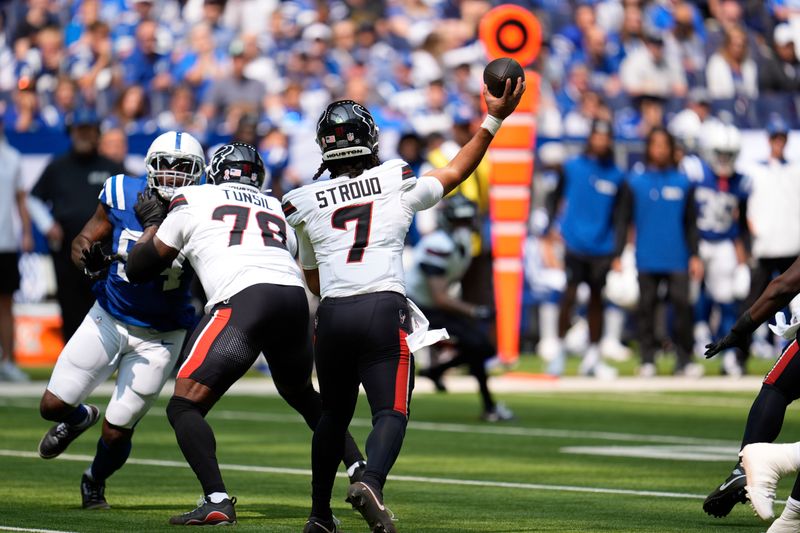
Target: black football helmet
346, 129
458, 210
237, 163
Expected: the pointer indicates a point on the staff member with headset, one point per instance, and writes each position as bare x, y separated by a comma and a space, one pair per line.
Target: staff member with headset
69, 186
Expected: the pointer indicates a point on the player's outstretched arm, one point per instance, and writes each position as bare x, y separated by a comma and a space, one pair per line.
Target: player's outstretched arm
467, 159
149, 257
96, 229
775, 297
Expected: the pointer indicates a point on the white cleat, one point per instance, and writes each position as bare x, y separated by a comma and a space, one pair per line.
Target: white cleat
787, 522
648, 370
764, 464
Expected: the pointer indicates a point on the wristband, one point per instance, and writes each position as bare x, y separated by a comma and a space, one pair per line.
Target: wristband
491, 124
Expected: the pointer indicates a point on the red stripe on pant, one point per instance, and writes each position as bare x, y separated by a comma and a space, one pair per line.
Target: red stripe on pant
402, 377
784, 360
203, 343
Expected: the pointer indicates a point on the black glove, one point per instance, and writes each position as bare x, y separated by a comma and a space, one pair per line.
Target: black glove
150, 208
483, 312
95, 262
738, 337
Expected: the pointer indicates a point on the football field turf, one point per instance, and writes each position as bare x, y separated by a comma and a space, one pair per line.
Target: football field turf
541, 472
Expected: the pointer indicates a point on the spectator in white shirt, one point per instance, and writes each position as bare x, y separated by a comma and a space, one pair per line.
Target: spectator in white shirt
730, 71
649, 70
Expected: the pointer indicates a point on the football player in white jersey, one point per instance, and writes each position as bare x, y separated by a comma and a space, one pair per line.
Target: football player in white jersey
351, 230
440, 260
238, 243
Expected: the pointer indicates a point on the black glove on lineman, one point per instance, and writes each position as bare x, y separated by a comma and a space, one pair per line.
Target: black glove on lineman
150, 208
95, 261
483, 312
738, 337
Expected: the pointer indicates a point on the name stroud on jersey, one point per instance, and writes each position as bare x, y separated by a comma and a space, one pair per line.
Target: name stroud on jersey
256, 199
349, 191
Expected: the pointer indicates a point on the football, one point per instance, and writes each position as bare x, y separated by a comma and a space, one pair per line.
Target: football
498, 71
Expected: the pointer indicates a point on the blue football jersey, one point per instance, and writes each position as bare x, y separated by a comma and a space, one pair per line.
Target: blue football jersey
718, 200
164, 303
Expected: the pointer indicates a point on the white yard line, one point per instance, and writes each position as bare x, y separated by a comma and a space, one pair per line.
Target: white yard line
416, 479
29, 530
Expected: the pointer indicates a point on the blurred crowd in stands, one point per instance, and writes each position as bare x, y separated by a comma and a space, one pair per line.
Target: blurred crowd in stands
261, 71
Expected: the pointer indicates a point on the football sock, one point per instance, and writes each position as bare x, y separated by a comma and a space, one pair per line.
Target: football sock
548, 320
766, 416
78, 416
613, 322
309, 404
108, 459
217, 497
478, 370
326, 452
383, 446
196, 440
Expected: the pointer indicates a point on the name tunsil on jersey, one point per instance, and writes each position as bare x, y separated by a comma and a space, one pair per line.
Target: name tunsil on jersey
348, 191
241, 196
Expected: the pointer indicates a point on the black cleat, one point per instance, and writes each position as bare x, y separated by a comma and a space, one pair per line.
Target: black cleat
370, 504
93, 494
435, 377
58, 437
725, 497
318, 525
208, 514
358, 473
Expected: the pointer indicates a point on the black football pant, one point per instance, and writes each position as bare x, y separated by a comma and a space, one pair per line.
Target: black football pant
473, 345
678, 296
360, 340
267, 318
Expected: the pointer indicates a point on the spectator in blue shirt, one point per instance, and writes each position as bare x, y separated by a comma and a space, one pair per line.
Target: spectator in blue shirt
659, 200
145, 66
589, 188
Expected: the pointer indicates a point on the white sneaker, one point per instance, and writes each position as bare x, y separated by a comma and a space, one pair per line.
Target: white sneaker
764, 464
647, 370
614, 350
11, 372
500, 413
691, 370
787, 522
557, 366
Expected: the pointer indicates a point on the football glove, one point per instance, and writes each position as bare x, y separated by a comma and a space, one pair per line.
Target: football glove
737, 337
150, 208
95, 261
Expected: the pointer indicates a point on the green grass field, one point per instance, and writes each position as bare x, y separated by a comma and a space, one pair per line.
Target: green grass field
455, 474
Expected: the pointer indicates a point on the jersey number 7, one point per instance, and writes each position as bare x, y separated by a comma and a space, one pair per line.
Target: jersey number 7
362, 214
273, 228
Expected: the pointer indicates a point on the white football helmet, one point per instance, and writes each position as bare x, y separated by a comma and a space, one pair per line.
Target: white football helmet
174, 159
721, 146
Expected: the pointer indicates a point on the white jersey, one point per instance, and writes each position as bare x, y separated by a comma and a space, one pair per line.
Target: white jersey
233, 236
438, 254
353, 229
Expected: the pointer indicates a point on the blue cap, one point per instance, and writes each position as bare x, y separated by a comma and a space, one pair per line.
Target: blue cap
777, 126
84, 116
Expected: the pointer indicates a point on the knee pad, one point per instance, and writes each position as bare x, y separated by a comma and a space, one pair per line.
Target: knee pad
178, 406
390, 415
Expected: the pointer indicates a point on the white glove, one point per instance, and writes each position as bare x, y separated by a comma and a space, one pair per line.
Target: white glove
781, 328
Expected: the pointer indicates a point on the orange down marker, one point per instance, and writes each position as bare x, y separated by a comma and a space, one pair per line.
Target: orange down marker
511, 31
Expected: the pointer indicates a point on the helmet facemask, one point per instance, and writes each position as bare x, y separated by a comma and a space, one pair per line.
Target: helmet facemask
169, 171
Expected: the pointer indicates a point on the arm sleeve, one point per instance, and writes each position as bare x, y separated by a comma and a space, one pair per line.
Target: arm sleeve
308, 259
172, 231
690, 223
622, 217
424, 193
